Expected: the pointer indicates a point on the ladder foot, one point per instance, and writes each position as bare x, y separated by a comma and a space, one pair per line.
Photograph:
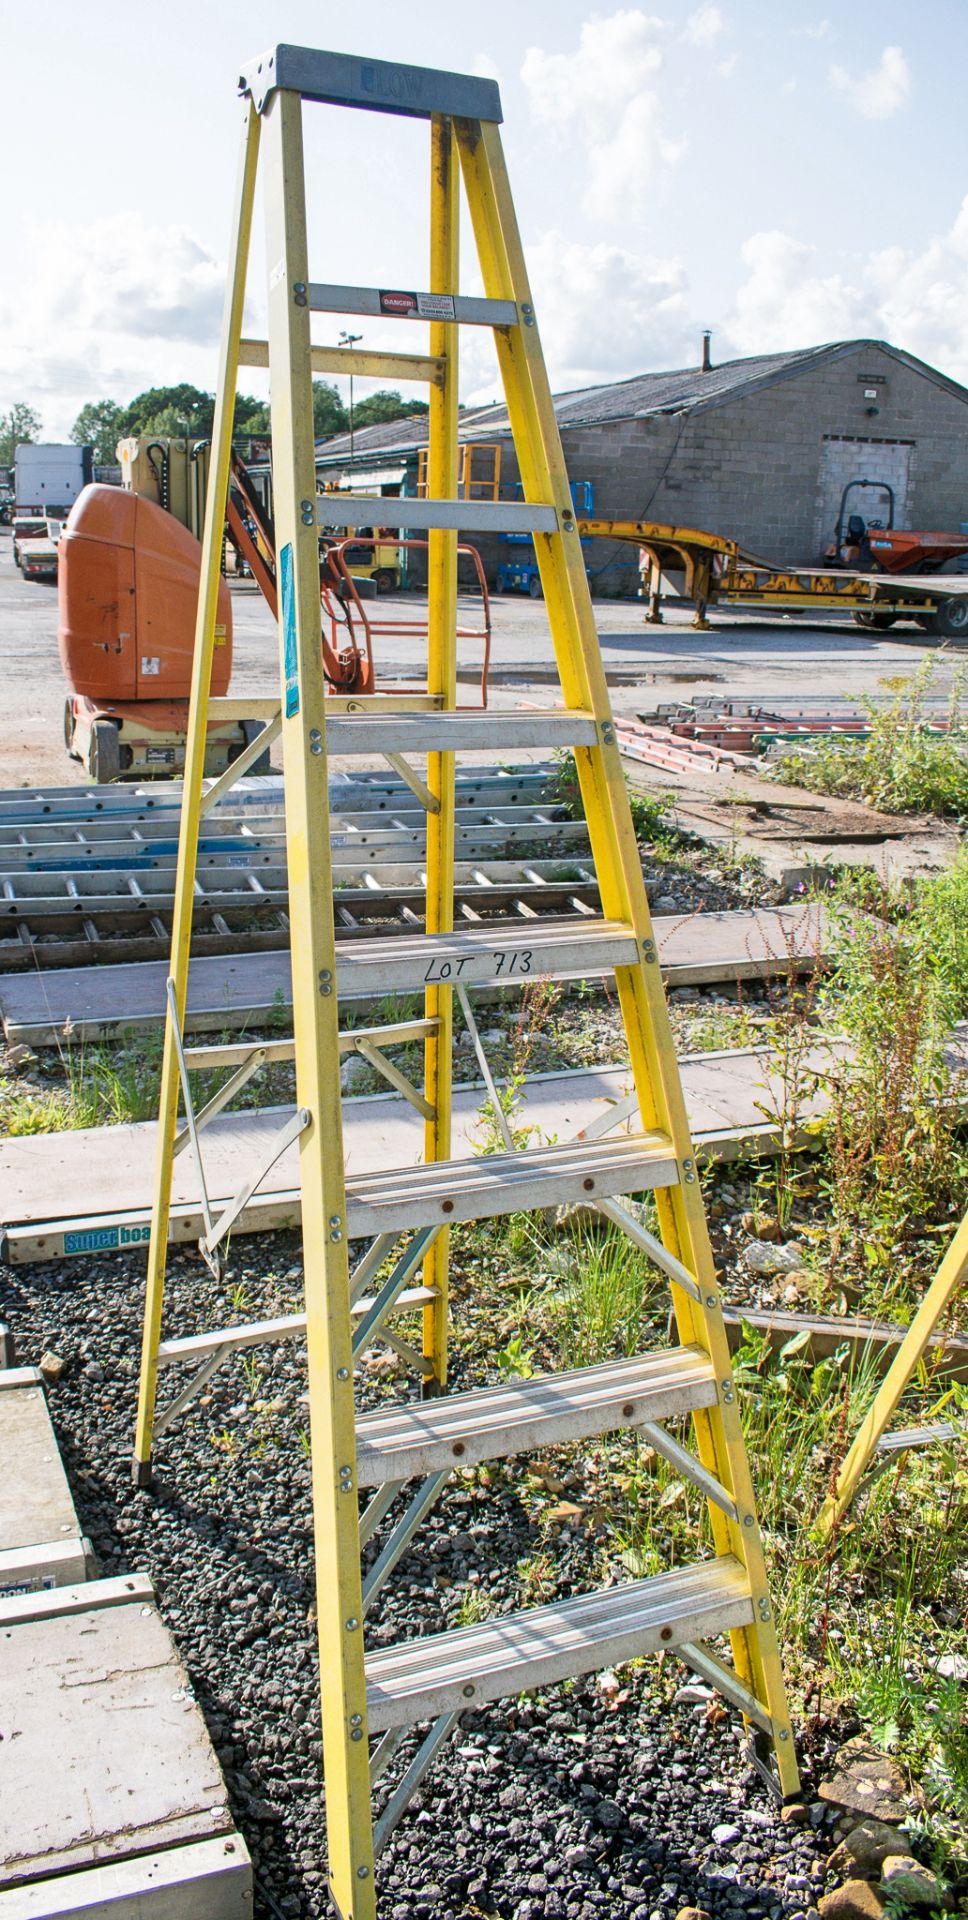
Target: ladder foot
142, 1473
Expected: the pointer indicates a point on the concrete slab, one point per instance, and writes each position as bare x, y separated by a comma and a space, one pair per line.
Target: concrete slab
103, 1689
41, 1544
207, 1880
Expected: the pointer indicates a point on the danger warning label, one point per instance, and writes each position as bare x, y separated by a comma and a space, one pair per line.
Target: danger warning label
418, 306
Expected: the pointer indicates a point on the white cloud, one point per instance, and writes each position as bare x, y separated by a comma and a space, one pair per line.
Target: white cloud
818, 31
918, 299
605, 313
705, 25
786, 300
879, 94
107, 309
604, 94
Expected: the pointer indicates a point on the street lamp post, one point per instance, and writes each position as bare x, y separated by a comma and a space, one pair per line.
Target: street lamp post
350, 340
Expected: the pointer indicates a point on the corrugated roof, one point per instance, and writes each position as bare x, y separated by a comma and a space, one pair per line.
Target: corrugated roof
685, 390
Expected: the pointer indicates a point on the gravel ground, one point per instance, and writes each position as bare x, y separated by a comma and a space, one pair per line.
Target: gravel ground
617, 1796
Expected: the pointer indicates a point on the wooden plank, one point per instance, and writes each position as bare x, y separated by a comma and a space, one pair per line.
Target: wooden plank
102, 1177
875, 1342
237, 990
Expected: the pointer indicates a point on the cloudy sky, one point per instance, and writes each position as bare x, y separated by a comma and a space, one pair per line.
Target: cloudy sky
781, 172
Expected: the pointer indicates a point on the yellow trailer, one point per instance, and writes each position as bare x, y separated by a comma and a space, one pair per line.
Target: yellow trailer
717, 573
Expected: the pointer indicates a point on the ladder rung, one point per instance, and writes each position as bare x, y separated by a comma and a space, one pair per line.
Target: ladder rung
265, 1333
400, 303
459, 732
461, 1429
518, 1652
534, 950
461, 516
446, 1191
383, 86
370, 366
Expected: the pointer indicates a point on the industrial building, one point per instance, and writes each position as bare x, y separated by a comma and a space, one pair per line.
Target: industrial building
758, 449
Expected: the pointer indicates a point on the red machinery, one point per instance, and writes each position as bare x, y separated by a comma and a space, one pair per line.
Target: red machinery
127, 593
128, 590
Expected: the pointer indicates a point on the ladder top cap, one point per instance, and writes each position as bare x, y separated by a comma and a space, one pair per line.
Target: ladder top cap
383, 86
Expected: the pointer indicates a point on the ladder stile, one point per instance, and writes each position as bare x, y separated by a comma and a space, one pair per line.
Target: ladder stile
412, 1446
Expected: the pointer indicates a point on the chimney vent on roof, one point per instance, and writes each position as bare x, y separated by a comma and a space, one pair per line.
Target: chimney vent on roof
707, 365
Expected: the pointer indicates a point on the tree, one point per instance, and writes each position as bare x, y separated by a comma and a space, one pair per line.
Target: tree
99, 425
386, 405
18, 428
251, 416
171, 410
329, 414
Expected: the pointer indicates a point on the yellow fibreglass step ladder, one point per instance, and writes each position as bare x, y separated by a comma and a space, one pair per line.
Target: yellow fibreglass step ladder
405, 1214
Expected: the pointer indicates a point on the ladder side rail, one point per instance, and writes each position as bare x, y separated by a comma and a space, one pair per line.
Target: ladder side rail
315, 1026
940, 1294
651, 1049
209, 584
442, 467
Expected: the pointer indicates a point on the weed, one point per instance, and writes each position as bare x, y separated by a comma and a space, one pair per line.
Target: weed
474, 1607
537, 1578
608, 1301
905, 764
896, 1164
514, 1361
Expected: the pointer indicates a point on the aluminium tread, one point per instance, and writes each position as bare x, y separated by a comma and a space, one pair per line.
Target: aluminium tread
443, 1192
440, 1673
462, 1429
461, 731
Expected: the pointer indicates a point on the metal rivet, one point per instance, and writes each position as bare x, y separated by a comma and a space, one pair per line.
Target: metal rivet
362, 1873
299, 292
352, 1623
468, 1693
458, 1448
748, 1520
589, 1186
342, 1373
335, 1219
356, 1719
307, 510
447, 1206
711, 1300
784, 1733
315, 746
357, 1733
648, 951
665, 1633
336, 1237
628, 1410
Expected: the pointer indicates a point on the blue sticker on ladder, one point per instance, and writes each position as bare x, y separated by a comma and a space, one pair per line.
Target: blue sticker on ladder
290, 655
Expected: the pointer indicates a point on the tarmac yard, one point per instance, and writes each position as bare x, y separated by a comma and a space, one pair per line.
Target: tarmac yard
777, 661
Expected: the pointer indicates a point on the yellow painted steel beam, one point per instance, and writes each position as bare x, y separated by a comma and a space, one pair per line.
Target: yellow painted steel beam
370, 365
946, 1283
339, 1607
209, 585
442, 474
561, 565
